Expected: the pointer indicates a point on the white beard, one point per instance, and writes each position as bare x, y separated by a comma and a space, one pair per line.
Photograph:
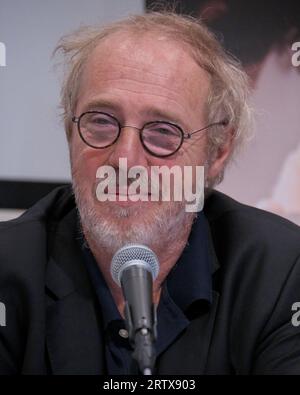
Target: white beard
157, 225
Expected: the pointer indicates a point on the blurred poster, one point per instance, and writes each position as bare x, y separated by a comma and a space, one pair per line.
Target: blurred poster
265, 37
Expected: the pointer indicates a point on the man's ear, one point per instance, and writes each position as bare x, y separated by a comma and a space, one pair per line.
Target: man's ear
220, 157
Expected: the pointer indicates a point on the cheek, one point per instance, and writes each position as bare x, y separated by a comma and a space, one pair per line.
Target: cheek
85, 162
194, 153
194, 157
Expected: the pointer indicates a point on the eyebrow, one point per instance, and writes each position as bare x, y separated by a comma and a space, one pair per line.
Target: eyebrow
152, 111
100, 103
164, 116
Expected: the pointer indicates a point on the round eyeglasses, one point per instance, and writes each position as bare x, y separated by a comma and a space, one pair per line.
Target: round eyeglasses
159, 138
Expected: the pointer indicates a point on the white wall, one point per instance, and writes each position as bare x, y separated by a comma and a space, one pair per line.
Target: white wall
32, 141
6, 215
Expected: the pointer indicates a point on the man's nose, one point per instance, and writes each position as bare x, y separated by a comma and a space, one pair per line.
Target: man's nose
129, 146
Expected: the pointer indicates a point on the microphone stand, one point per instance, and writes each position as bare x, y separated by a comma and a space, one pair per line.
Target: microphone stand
144, 352
141, 324
142, 340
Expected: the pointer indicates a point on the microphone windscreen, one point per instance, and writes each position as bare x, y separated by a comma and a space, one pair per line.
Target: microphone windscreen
133, 254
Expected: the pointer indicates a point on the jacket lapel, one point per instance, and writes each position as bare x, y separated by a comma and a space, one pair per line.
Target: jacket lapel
188, 355
73, 327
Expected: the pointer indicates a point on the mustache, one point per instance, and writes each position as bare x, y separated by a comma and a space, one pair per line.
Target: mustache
122, 182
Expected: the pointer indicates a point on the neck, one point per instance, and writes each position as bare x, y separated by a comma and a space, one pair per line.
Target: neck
167, 255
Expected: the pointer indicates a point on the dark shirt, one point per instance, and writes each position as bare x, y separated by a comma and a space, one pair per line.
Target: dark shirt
187, 285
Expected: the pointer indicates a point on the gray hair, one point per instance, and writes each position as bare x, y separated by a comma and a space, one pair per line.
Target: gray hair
229, 88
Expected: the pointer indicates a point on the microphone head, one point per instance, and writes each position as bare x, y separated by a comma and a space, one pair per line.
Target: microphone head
133, 254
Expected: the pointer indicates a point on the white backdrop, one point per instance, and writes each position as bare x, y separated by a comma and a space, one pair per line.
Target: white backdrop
32, 141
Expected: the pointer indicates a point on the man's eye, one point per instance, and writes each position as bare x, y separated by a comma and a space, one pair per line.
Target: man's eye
102, 121
165, 131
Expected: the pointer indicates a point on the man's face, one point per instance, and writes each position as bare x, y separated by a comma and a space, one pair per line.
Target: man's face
137, 80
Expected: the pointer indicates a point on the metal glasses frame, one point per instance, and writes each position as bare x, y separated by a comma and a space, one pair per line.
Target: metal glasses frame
183, 134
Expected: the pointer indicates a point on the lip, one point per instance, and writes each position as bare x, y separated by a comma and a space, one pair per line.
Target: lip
128, 194
126, 199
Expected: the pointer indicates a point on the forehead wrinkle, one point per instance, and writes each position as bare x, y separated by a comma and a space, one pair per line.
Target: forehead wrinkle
146, 69
138, 82
182, 86
98, 101
138, 75
153, 94
193, 105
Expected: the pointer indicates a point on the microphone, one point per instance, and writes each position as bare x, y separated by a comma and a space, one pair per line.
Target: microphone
134, 267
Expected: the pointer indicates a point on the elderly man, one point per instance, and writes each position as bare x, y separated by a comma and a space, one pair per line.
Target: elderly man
156, 90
